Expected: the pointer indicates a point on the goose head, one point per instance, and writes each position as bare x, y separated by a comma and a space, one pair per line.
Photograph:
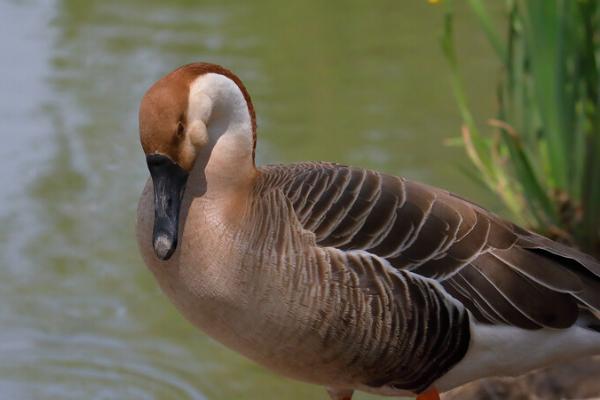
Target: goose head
196, 120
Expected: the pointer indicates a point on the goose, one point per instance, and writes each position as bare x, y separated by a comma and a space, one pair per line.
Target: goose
344, 277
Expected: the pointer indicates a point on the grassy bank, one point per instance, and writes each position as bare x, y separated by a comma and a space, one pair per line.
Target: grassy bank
541, 152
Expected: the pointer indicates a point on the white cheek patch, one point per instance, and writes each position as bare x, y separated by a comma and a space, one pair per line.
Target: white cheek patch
199, 106
218, 98
198, 112
197, 133
218, 116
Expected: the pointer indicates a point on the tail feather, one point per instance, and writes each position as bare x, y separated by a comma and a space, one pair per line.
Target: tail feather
586, 267
589, 320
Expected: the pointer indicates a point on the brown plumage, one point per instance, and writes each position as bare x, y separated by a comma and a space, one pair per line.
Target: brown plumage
342, 276
528, 281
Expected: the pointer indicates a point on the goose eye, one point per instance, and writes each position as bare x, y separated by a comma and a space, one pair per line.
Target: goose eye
180, 130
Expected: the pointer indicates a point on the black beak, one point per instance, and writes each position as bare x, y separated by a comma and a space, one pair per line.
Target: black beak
169, 181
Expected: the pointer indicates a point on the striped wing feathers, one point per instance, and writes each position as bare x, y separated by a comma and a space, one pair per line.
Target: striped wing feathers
501, 273
406, 333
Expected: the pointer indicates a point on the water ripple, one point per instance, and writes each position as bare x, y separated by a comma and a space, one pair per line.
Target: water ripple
92, 367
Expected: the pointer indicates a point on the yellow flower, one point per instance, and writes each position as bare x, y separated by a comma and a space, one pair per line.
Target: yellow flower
434, 1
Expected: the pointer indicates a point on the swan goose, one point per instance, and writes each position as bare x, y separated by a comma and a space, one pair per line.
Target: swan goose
340, 276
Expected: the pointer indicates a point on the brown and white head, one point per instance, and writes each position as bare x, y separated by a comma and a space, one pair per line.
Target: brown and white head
197, 118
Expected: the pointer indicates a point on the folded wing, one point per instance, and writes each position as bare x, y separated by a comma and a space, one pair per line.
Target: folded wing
502, 273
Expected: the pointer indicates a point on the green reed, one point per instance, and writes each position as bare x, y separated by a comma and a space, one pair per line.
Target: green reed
541, 152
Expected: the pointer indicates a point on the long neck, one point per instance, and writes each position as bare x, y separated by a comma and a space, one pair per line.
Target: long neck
227, 161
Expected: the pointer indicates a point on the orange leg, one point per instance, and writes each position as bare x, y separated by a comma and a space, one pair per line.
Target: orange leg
340, 394
429, 394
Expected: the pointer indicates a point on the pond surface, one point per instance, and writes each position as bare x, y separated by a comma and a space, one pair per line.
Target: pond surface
80, 317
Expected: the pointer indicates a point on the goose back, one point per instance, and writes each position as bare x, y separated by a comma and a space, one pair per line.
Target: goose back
502, 273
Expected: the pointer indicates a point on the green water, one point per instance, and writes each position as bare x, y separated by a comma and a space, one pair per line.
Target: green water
80, 317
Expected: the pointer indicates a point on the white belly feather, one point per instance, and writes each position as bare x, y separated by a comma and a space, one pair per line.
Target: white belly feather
509, 351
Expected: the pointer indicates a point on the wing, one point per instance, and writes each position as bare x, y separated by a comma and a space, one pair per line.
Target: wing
502, 273
404, 331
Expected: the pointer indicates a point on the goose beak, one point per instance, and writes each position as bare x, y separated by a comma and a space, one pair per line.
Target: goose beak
169, 181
